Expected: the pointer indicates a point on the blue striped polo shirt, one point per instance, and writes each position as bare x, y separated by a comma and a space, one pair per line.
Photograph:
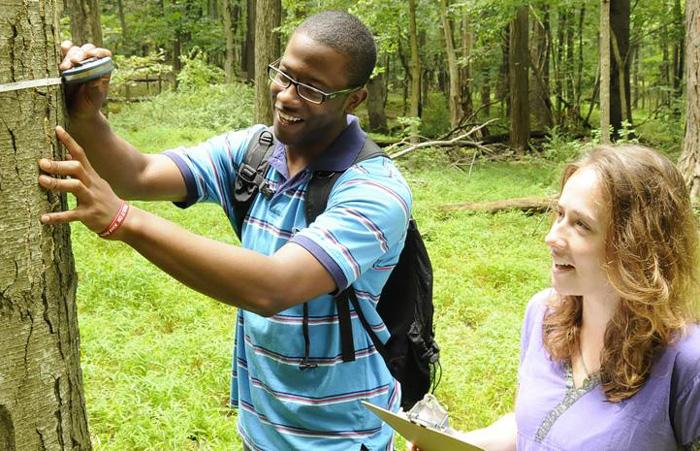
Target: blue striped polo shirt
358, 239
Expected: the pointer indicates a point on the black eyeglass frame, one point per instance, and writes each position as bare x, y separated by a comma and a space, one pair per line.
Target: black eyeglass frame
273, 71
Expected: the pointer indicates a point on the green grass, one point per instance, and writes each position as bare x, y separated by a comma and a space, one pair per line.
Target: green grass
156, 355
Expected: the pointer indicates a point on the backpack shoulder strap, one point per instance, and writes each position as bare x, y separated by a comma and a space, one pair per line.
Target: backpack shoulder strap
250, 178
317, 194
322, 182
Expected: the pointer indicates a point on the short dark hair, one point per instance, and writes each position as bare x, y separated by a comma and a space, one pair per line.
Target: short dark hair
345, 33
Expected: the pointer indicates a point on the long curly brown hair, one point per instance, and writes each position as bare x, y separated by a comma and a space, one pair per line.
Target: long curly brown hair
651, 250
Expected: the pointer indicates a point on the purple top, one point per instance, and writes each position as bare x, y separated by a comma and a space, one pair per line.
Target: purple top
553, 415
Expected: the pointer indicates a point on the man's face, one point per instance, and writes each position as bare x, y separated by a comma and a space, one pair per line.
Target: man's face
297, 122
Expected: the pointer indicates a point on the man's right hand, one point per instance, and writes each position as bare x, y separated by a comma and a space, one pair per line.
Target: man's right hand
84, 100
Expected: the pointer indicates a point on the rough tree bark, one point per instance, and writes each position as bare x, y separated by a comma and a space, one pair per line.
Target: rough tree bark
267, 48
41, 399
519, 64
85, 21
689, 161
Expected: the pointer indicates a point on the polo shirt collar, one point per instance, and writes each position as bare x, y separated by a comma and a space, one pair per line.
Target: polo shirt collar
342, 152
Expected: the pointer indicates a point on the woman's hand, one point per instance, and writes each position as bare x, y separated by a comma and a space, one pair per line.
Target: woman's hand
97, 203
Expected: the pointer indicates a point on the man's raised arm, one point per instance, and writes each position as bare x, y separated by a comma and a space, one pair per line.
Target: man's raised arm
132, 174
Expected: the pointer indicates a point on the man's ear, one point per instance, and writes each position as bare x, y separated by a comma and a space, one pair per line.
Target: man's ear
355, 99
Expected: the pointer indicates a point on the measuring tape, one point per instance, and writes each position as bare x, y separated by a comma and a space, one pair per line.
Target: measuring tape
90, 69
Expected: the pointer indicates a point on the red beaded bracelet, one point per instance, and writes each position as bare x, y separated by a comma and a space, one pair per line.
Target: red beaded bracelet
117, 221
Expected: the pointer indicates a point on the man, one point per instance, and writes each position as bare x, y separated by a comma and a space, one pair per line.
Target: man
289, 395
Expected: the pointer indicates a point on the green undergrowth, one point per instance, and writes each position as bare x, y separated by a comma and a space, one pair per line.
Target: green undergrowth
156, 355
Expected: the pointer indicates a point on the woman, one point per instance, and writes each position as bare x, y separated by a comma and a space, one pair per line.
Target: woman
610, 357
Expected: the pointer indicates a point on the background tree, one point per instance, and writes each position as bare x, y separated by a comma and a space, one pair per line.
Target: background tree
415, 73
267, 49
689, 162
605, 71
85, 21
519, 86
620, 107
41, 398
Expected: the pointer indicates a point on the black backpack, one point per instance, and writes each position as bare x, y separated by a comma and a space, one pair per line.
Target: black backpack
406, 301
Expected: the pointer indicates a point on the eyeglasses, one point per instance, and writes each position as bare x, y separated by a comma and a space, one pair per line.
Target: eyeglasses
306, 92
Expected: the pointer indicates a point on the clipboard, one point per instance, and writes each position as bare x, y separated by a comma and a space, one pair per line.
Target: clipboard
426, 438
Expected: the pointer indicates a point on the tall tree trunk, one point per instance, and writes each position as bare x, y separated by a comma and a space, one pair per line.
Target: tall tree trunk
230, 35
605, 71
539, 93
689, 161
122, 22
678, 58
376, 100
519, 58
504, 74
559, 70
485, 92
248, 51
414, 61
620, 108
572, 114
85, 21
465, 73
41, 399
453, 96
268, 14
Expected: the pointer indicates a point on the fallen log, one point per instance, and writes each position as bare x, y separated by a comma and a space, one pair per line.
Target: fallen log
529, 205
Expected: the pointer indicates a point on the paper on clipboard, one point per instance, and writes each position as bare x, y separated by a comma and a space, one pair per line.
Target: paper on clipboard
426, 438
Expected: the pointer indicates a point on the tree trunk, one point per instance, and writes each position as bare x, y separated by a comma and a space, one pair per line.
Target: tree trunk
122, 22
248, 51
85, 21
520, 107
453, 96
414, 61
268, 14
620, 108
376, 100
689, 161
539, 94
41, 398
678, 59
605, 71
230, 35
465, 74
503, 91
485, 92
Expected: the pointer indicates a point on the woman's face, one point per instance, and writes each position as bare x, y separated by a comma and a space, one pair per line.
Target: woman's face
576, 238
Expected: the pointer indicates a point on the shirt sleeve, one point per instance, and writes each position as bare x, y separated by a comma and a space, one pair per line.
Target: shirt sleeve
534, 315
209, 169
686, 407
364, 224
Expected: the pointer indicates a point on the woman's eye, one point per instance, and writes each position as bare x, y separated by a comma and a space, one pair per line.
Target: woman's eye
583, 225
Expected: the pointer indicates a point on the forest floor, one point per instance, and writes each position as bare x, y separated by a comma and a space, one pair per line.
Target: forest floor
156, 355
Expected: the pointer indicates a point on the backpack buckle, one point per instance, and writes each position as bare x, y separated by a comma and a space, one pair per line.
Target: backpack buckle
266, 138
247, 173
267, 190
